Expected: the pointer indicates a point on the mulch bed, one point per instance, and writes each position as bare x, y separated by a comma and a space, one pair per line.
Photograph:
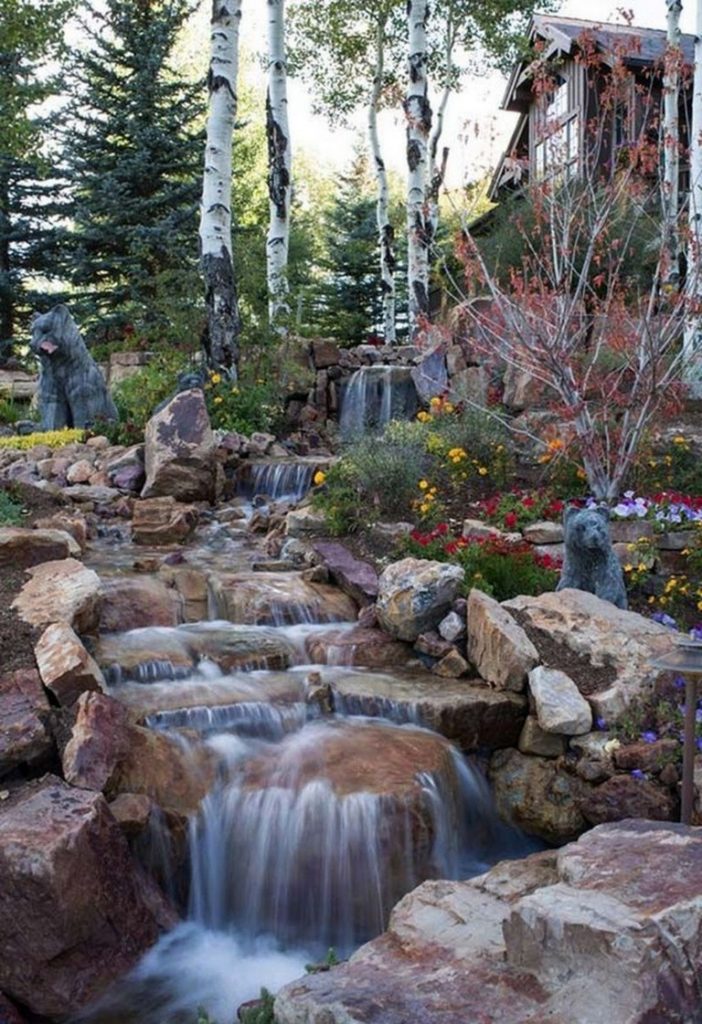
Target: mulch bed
17, 639
586, 677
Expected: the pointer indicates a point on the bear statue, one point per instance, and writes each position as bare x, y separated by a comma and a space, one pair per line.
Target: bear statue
590, 562
72, 390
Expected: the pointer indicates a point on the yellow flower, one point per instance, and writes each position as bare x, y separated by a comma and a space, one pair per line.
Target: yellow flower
628, 568
423, 485
652, 599
423, 417
642, 567
483, 471
448, 407
235, 391
218, 400
216, 378
435, 402
699, 606
679, 439
581, 474
319, 477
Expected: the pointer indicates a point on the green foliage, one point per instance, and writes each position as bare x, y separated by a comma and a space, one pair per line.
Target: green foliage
9, 411
261, 1014
246, 407
134, 154
138, 395
31, 39
11, 513
674, 466
330, 960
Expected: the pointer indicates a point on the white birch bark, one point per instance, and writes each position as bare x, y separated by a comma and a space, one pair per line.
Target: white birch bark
220, 339
438, 168
386, 232
418, 114
279, 169
671, 139
692, 343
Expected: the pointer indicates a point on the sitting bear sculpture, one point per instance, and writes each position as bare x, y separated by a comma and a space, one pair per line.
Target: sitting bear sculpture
590, 562
72, 390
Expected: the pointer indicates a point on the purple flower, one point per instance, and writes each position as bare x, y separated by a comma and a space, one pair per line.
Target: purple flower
638, 774
679, 682
696, 632
664, 620
649, 736
600, 723
698, 743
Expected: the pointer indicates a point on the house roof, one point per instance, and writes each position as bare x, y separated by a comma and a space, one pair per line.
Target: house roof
637, 46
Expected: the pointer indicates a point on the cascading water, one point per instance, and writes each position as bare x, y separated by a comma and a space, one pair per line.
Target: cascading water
280, 481
373, 397
315, 827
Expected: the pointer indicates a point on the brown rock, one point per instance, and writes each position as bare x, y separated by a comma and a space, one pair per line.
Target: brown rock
533, 740
432, 644
649, 757
179, 451
624, 796
537, 795
415, 594
498, 647
75, 911
356, 578
106, 752
325, 353
63, 591
24, 710
22, 548
545, 532
65, 666
277, 599
132, 812
364, 647
80, 472
130, 603
69, 522
191, 586
451, 666
163, 521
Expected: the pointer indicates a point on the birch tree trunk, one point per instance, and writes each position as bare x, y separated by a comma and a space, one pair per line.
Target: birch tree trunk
418, 113
279, 169
671, 140
692, 343
386, 232
437, 170
222, 328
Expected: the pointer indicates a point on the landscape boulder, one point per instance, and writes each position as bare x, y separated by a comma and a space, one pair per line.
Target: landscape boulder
356, 578
76, 912
22, 548
498, 647
158, 521
66, 668
133, 602
180, 450
415, 594
559, 705
24, 711
61, 591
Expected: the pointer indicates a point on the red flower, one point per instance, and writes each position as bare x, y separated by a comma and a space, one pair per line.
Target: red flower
442, 529
511, 520
527, 502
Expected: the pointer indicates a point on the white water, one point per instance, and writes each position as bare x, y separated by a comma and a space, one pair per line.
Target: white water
279, 481
373, 397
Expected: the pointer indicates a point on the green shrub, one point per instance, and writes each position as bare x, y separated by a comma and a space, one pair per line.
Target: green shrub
261, 1014
138, 395
11, 513
245, 407
10, 411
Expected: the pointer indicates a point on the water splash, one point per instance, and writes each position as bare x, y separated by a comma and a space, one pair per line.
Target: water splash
246, 718
280, 481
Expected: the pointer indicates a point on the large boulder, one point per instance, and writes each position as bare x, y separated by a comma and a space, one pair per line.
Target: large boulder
76, 913
65, 667
62, 591
22, 548
498, 647
129, 602
179, 452
610, 929
606, 651
107, 752
415, 594
24, 711
535, 794
474, 716
430, 376
627, 796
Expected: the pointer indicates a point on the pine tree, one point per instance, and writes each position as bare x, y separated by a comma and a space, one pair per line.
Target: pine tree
350, 302
134, 152
31, 36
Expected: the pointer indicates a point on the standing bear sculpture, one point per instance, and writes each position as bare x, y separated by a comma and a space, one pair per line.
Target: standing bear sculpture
590, 561
72, 391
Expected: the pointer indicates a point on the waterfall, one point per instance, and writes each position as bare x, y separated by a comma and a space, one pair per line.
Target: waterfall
373, 397
279, 481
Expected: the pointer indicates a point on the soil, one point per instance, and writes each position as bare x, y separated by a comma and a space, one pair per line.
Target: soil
586, 677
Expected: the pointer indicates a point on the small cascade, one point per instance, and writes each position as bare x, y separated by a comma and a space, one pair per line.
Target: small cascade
373, 397
401, 712
329, 828
279, 481
246, 718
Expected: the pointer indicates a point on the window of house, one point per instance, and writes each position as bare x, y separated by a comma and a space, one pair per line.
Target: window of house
557, 146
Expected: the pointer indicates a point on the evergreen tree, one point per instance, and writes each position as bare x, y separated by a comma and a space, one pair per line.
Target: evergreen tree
31, 36
350, 302
134, 153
